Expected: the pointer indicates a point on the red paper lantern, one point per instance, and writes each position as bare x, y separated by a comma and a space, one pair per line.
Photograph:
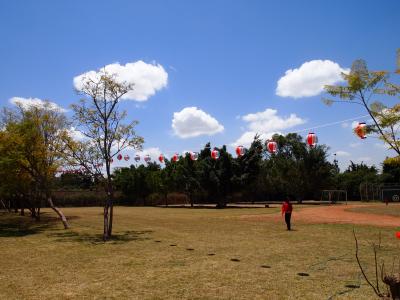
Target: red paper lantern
398, 234
119, 156
137, 157
161, 158
272, 146
175, 157
126, 157
194, 155
240, 150
215, 154
361, 130
312, 139
147, 158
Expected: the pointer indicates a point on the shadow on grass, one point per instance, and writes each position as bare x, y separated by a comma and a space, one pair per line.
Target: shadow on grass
14, 225
95, 239
214, 207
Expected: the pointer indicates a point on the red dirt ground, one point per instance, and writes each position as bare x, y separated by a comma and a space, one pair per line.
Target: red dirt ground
333, 214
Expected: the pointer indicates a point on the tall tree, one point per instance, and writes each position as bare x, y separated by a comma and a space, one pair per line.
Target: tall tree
36, 136
362, 85
101, 121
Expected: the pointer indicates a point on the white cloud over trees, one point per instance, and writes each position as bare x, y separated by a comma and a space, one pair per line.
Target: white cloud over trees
266, 123
193, 122
146, 78
309, 79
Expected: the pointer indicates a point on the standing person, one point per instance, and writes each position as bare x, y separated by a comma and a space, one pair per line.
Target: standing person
287, 209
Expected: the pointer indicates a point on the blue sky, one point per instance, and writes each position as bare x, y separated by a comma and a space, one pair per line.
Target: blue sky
223, 57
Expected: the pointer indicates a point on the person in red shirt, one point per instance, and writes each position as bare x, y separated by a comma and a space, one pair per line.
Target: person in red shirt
287, 209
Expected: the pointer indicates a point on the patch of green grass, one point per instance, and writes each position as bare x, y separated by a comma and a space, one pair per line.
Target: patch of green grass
47, 262
392, 209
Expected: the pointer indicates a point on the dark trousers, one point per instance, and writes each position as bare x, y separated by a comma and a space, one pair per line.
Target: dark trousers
287, 219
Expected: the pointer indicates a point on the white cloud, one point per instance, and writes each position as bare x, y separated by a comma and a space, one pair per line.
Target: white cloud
147, 79
354, 124
248, 137
269, 121
192, 122
26, 103
381, 146
344, 125
265, 123
309, 79
355, 145
342, 153
153, 152
364, 158
76, 134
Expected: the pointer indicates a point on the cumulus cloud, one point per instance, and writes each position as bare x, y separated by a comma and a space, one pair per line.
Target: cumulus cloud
192, 122
381, 146
342, 153
153, 152
266, 124
27, 103
309, 79
146, 78
354, 124
354, 145
269, 121
364, 158
248, 137
76, 134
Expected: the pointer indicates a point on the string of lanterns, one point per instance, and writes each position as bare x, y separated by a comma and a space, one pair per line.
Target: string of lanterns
271, 146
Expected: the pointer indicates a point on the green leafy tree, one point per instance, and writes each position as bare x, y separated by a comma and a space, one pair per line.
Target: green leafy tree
362, 87
246, 168
296, 169
356, 174
36, 136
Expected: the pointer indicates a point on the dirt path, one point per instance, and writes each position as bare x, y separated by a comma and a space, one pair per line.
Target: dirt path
334, 214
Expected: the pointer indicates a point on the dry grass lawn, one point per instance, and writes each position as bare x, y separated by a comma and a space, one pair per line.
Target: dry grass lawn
392, 209
43, 261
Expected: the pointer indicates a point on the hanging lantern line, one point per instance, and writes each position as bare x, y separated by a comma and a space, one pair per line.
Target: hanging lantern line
329, 124
301, 130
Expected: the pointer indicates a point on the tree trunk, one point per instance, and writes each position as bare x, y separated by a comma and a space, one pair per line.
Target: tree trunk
58, 212
110, 225
394, 285
191, 200
105, 231
37, 215
2, 204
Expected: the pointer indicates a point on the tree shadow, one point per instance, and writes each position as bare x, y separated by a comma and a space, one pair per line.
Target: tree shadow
96, 239
211, 206
13, 225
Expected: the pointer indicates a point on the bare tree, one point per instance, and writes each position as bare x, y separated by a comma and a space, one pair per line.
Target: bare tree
99, 119
392, 280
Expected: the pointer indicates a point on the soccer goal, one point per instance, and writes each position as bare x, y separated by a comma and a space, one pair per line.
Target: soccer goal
392, 194
334, 196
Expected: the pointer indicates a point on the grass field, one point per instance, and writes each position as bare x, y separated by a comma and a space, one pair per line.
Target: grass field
181, 253
393, 209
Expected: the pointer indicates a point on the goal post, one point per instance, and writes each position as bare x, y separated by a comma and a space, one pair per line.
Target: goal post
333, 196
390, 194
